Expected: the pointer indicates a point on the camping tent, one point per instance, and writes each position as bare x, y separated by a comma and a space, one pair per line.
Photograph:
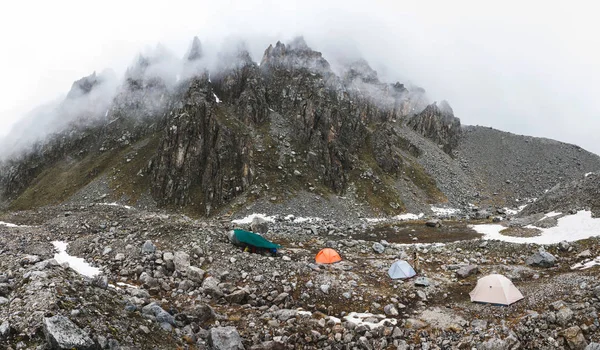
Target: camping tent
327, 256
401, 269
241, 237
495, 289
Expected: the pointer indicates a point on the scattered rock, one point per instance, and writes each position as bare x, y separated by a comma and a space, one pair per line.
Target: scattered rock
225, 338
433, 223
61, 333
378, 248
541, 259
148, 247
467, 270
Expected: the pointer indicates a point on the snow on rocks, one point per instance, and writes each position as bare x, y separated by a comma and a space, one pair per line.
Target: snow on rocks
369, 320
77, 264
586, 264
248, 219
569, 228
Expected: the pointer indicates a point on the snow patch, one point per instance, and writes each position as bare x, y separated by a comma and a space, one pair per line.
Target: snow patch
123, 284
115, 204
569, 228
444, 211
248, 219
308, 219
588, 174
216, 98
408, 216
8, 224
77, 264
551, 215
586, 264
359, 319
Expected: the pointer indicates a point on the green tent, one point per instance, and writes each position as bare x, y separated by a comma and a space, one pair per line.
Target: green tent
251, 238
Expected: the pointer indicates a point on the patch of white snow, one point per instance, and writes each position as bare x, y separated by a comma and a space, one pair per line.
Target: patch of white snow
586, 264
216, 98
248, 219
115, 204
444, 211
77, 264
569, 228
359, 319
8, 224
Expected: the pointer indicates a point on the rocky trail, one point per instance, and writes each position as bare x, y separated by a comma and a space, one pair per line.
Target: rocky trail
167, 281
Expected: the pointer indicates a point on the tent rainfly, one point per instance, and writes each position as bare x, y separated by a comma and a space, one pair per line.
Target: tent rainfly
401, 269
327, 256
495, 289
242, 237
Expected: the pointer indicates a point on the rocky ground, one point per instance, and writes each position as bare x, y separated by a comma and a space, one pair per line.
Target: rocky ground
171, 282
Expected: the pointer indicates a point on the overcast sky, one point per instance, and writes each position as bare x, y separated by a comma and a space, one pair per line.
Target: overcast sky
529, 67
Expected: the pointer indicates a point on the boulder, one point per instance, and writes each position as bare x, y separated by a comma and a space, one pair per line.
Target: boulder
422, 282
237, 297
593, 346
378, 248
259, 225
4, 330
181, 261
195, 274
211, 286
225, 338
433, 223
541, 259
148, 247
61, 333
390, 310
574, 337
467, 270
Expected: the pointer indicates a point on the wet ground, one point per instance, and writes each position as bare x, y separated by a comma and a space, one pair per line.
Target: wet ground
417, 232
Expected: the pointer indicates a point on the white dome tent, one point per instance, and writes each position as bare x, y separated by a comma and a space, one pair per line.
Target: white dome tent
401, 269
495, 289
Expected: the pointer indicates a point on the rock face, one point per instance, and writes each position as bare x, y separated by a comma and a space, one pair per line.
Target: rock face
61, 333
225, 338
541, 259
439, 124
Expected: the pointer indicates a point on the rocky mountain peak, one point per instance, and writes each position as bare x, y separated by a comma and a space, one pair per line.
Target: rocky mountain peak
439, 124
195, 51
83, 86
362, 71
297, 54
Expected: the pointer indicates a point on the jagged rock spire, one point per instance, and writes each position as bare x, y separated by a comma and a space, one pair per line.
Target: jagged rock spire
195, 51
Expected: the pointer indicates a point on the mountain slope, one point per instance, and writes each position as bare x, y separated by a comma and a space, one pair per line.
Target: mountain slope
206, 141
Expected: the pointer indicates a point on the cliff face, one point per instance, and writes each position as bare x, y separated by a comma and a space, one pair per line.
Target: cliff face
439, 124
199, 139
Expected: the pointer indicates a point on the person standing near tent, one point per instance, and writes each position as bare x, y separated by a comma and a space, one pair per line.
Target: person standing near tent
416, 261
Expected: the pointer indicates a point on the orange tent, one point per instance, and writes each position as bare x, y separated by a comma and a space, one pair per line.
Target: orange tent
328, 256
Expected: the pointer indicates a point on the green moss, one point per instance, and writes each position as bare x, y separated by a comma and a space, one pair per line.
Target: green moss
60, 181
423, 181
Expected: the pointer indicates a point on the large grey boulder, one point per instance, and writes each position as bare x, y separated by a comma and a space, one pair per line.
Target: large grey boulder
467, 270
4, 330
159, 313
433, 223
61, 333
148, 247
181, 260
259, 225
593, 346
378, 248
541, 259
225, 338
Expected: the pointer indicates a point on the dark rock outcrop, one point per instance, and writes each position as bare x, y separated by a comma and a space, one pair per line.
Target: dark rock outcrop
439, 124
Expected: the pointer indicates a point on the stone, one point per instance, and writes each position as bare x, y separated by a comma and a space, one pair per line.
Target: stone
574, 337
259, 225
195, 274
433, 223
390, 310
467, 270
237, 297
148, 247
378, 248
30, 259
159, 313
564, 315
4, 330
61, 333
119, 257
281, 297
585, 254
181, 261
201, 313
225, 338
541, 259
422, 282
100, 281
593, 346
3, 300
211, 286
325, 288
